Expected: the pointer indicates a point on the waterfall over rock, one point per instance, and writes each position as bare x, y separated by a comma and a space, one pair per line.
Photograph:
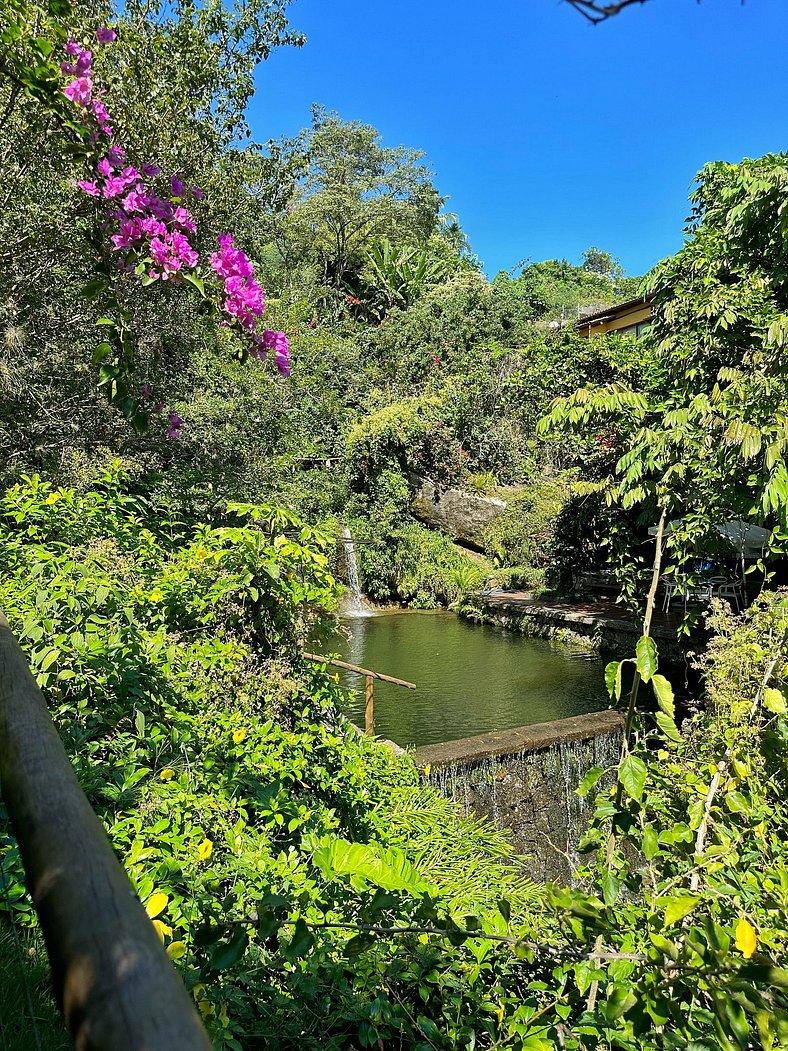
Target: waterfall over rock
353, 604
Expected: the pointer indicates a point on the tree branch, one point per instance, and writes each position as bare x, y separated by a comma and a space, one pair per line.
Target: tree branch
596, 12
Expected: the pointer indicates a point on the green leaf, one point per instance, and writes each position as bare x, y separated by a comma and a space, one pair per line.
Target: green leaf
612, 677
205, 936
589, 781
774, 701
737, 803
678, 906
610, 887
301, 942
95, 288
101, 353
646, 653
668, 727
268, 923
663, 692
632, 776
360, 943
388, 868
650, 843
230, 953
196, 281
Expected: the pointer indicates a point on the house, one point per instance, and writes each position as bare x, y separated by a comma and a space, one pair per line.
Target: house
630, 318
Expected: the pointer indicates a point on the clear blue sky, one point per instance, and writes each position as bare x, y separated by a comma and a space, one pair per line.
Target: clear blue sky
547, 134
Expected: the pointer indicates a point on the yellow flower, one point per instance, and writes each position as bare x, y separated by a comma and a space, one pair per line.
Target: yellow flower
205, 850
167, 774
52, 498
746, 938
238, 735
427, 769
156, 595
201, 552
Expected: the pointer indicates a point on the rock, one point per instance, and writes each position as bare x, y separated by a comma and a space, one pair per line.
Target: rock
464, 516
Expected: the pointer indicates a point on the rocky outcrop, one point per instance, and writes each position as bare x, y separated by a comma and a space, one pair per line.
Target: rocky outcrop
464, 516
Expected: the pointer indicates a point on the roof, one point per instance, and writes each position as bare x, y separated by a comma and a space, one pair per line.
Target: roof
613, 310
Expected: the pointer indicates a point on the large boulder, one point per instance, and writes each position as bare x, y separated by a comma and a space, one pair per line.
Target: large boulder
464, 516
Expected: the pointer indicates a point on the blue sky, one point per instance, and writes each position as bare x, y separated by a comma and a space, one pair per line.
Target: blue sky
547, 134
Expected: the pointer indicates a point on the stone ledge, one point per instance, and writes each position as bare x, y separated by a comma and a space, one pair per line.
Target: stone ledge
523, 739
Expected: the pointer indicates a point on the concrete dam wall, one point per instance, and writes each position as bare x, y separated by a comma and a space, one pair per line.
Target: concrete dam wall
524, 781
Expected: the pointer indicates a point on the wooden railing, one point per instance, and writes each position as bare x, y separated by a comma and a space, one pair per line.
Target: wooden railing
369, 709
116, 987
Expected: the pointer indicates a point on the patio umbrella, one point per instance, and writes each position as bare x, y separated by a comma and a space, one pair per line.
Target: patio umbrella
748, 540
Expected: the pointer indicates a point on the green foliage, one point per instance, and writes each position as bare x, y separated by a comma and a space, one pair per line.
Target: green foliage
250, 819
26, 1002
706, 442
522, 539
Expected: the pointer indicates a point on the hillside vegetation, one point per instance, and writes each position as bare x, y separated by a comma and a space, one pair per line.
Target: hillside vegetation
180, 456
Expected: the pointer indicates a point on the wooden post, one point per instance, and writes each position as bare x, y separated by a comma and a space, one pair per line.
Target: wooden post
369, 713
112, 978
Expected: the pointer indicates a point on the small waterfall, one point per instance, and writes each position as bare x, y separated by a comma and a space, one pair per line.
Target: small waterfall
354, 604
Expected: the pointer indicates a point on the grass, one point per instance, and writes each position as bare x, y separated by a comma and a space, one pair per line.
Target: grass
29, 1019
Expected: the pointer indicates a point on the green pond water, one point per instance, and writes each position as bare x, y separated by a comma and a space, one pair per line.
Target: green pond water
471, 678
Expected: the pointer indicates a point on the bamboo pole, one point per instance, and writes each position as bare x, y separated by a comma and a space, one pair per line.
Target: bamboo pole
361, 671
113, 981
369, 711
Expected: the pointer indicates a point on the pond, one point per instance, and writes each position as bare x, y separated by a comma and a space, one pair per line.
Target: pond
471, 678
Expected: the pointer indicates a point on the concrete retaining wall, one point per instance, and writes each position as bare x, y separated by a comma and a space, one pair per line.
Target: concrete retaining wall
524, 780
610, 636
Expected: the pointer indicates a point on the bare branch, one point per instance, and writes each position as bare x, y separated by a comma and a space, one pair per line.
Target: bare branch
596, 12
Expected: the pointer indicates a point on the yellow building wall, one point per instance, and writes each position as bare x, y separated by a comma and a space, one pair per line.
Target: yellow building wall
634, 316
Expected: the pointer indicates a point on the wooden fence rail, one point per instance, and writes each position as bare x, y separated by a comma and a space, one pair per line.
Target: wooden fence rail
116, 987
369, 709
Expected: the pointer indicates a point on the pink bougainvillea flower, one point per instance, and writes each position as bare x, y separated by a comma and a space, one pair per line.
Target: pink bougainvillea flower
105, 35
79, 91
196, 193
105, 167
183, 219
128, 234
84, 62
174, 424
89, 188
68, 69
99, 111
280, 344
72, 47
150, 170
177, 187
115, 155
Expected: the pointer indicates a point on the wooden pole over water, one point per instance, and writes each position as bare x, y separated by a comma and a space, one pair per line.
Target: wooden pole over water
370, 676
116, 987
369, 711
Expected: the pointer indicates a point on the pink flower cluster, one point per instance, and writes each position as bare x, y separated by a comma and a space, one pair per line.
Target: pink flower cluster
150, 225
244, 302
151, 229
81, 90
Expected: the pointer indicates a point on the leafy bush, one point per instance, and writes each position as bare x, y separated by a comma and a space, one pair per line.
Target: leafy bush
231, 788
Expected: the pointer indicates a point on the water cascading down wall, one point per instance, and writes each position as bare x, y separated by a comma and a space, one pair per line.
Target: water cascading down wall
525, 781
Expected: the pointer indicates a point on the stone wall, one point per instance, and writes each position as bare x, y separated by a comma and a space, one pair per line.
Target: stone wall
464, 516
524, 780
611, 636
